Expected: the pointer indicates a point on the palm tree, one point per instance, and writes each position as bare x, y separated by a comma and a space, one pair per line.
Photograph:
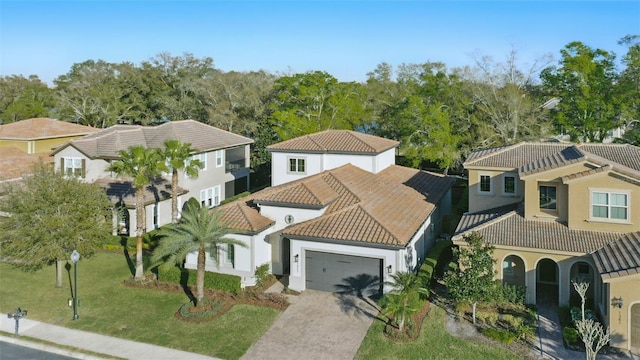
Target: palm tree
178, 157
142, 165
402, 301
198, 230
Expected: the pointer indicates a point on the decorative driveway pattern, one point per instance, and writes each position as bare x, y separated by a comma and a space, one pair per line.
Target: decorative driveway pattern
317, 325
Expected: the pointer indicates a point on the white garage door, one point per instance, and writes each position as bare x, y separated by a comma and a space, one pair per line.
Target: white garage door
338, 273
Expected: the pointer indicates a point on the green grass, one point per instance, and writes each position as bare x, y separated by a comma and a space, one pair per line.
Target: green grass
145, 315
434, 342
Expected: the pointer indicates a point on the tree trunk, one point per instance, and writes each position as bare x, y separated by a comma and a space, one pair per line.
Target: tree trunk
140, 220
174, 196
473, 305
200, 275
59, 266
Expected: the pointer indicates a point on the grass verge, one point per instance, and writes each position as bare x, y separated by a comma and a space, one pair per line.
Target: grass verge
146, 315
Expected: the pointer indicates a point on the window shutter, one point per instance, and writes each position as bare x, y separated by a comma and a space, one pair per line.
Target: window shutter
84, 166
62, 165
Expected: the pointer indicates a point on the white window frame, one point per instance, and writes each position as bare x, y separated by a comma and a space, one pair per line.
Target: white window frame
480, 191
156, 215
230, 251
210, 197
298, 160
203, 159
504, 185
219, 158
73, 166
609, 192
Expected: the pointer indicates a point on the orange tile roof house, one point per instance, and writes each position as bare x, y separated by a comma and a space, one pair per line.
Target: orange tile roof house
26, 142
225, 156
557, 212
325, 227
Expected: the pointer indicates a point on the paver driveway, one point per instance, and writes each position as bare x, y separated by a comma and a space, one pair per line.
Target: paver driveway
317, 325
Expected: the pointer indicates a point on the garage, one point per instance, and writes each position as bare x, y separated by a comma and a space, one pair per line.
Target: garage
331, 272
635, 328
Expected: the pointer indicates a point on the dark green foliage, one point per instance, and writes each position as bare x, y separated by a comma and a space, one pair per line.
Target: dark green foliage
212, 280
235, 197
261, 273
435, 260
570, 335
564, 314
504, 336
514, 294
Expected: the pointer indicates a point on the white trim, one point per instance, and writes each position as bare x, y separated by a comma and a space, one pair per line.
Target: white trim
610, 192
480, 176
299, 160
219, 158
210, 197
203, 159
73, 166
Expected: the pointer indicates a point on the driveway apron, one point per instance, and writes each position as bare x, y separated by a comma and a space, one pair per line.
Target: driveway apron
317, 325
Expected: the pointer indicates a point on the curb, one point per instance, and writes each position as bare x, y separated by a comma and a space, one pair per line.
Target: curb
49, 348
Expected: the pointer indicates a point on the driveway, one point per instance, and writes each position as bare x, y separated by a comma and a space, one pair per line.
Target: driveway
317, 325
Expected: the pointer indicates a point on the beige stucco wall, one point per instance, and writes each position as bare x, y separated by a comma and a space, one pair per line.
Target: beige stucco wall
480, 201
627, 287
37, 146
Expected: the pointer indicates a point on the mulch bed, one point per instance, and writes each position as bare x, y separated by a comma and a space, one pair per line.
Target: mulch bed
249, 296
417, 320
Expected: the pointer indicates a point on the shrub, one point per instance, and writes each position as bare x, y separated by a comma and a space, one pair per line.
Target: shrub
565, 316
505, 337
489, 318
427, 270
512, 322
525, 332
513, 294
576, 314
235, 197
212, 280
570, 335
261, 273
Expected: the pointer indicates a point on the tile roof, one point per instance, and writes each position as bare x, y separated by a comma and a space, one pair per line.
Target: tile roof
107, 142
122, 190
336, 141
530, 158
620, 257
42, 128
509, 228
14, 163
384, 209
243, 218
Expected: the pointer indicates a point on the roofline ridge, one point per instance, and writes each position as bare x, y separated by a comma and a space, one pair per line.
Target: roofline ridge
304, 184
356, 136
504, 148
395, 238
491, 222
329, 172
245, 215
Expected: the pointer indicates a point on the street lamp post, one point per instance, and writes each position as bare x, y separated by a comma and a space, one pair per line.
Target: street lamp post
75, 256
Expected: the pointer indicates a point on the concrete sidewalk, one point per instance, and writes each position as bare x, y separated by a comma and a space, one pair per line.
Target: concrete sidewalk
102, 344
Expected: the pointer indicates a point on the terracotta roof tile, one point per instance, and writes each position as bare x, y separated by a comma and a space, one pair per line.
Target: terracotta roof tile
623, 154
514, 156
107, 142
620, 257
42, 128
586, 173
564, 157
336, 141
14, 163
243, 218
511, 229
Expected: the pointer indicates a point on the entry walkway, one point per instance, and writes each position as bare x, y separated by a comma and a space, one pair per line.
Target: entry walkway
317, 325
96, 343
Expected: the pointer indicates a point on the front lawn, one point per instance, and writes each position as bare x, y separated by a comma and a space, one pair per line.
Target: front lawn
434, 342
146, 315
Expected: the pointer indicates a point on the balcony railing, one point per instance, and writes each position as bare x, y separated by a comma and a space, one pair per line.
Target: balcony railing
231, 166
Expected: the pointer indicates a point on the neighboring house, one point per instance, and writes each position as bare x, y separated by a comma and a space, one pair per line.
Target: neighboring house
225, 156
556, 212
312, 154
40, 135
340, 227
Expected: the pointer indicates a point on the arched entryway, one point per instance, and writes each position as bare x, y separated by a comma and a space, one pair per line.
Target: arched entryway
513, 270
547, 282
634, 334
582, 272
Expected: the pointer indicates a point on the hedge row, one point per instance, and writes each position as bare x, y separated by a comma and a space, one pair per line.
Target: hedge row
212, 280
433, 261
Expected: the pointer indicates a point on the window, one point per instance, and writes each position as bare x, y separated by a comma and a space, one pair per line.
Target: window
155, 216
485, 184
203, 159
210, 197
548, 198
230, 254
219, 159
73, 166
609, 205
296, 165
509, 185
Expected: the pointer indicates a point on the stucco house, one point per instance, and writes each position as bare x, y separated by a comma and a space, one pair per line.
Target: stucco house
24, 143
557, 212
341, 226
225, 156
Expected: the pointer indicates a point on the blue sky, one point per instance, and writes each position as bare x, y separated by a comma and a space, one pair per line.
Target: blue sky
345, 38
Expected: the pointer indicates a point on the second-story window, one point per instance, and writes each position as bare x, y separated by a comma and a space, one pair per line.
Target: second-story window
219, 158
203, 159
485, 184
609, 205
296, 165
509, 185
548, 198
73, 166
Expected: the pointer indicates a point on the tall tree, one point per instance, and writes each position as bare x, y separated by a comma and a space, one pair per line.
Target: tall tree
198, 230
141, 166
179, 157
473, 280
629, 86
24, 98
585, 83
50, 215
